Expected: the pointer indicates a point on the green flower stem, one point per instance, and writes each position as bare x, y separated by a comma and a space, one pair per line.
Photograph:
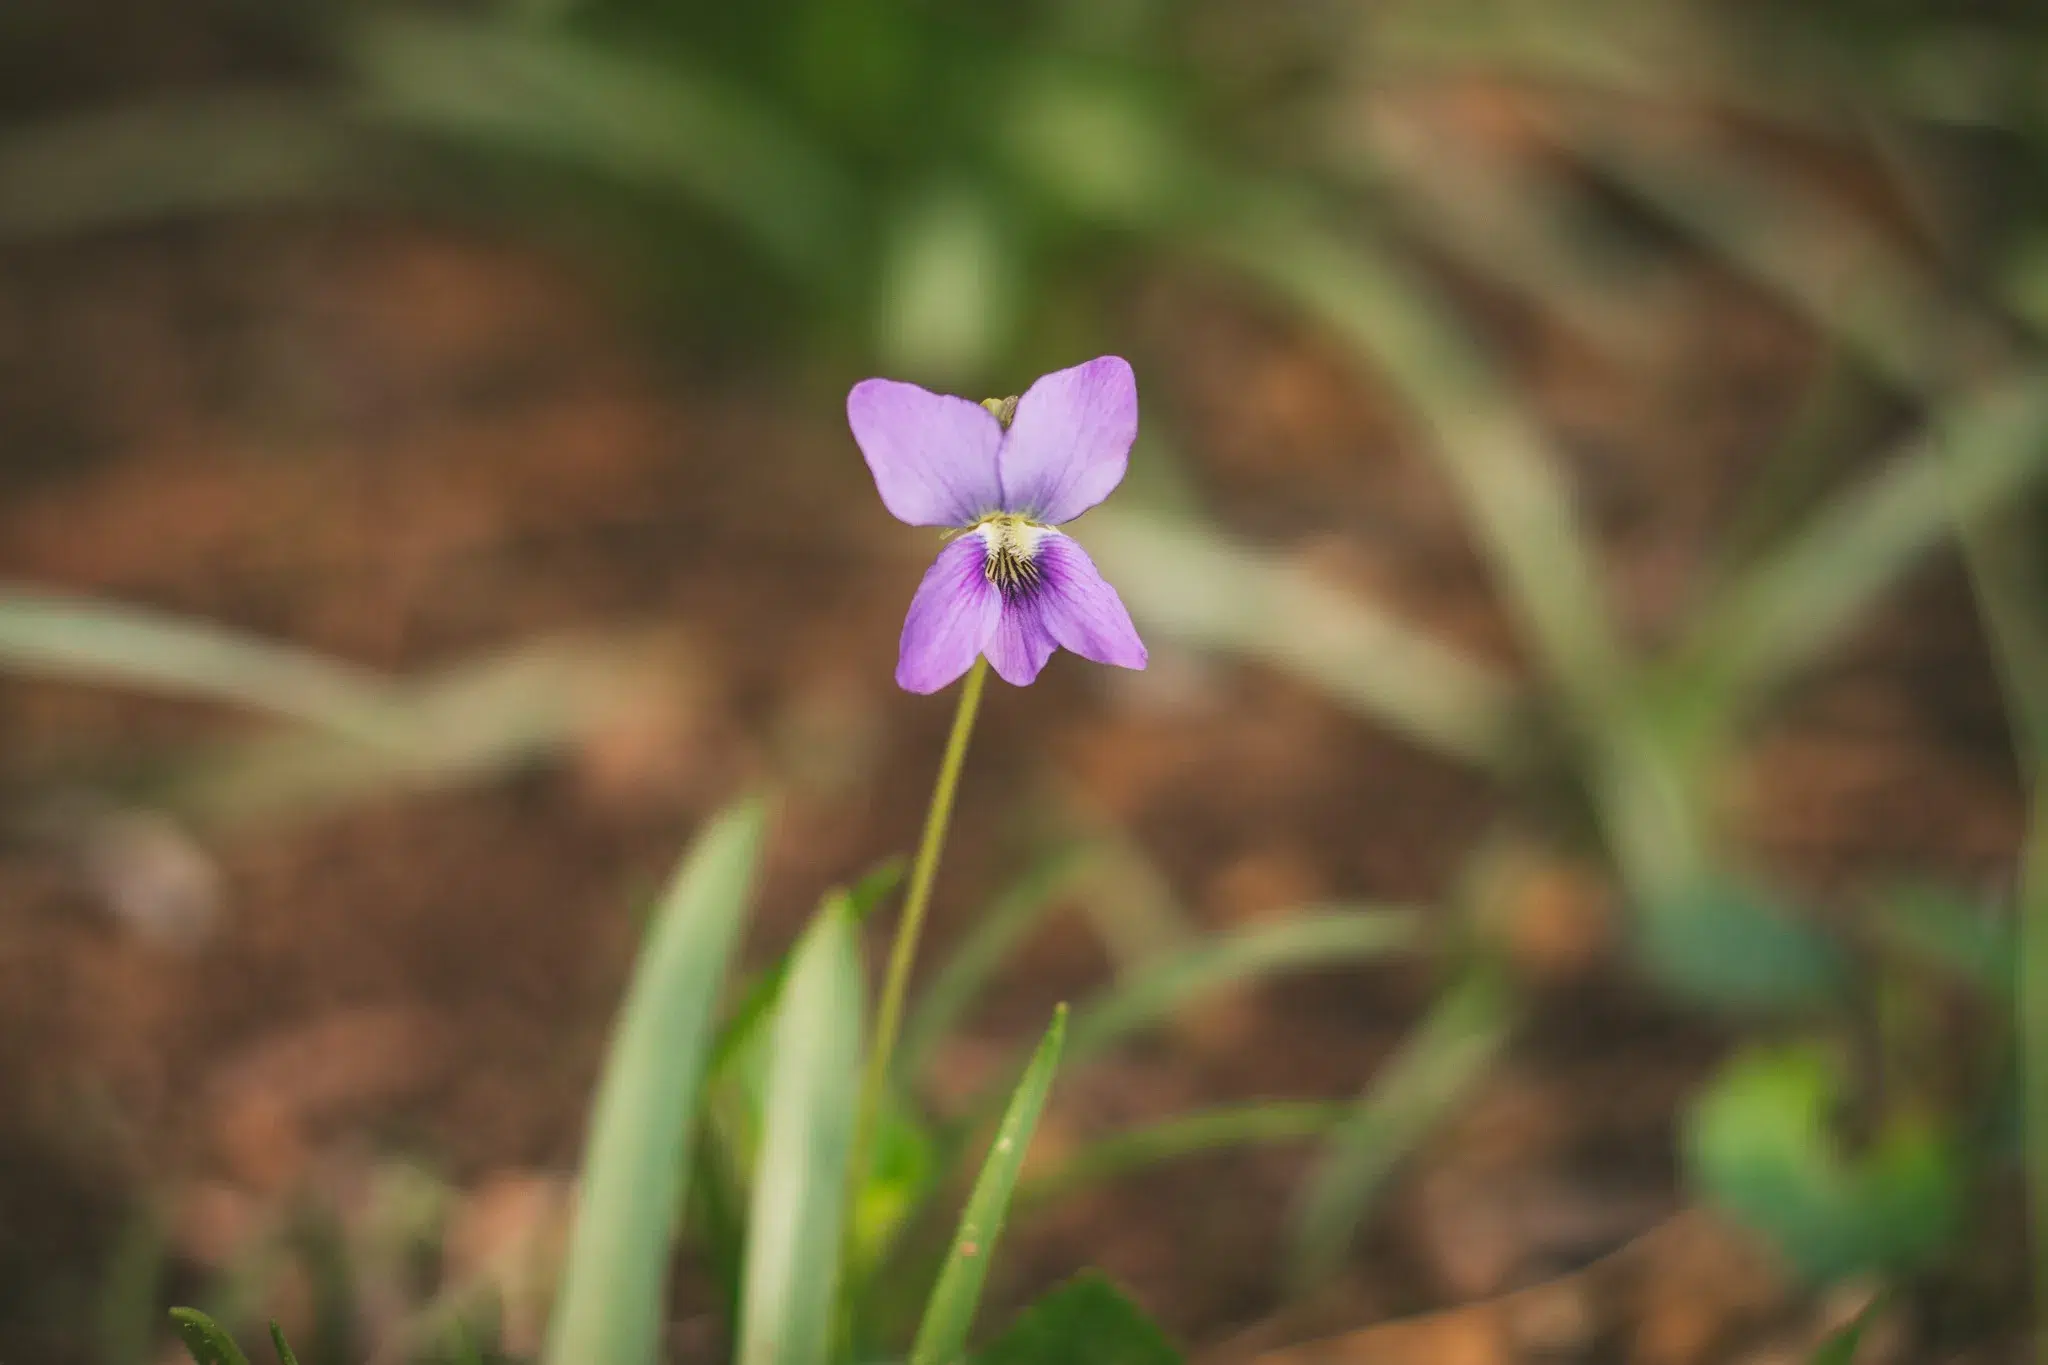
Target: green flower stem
903, 953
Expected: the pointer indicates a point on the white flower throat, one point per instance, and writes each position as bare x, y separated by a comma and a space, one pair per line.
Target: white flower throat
1012, 545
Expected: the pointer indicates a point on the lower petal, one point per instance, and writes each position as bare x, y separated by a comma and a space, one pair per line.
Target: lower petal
1021, 644
1078, 608
951, 618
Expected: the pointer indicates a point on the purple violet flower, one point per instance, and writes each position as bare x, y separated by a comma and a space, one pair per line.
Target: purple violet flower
1004, 476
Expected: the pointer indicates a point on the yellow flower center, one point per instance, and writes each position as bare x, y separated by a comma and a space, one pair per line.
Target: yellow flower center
1012, 543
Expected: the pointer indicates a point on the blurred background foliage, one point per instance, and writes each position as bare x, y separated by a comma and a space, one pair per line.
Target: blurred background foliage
968, 194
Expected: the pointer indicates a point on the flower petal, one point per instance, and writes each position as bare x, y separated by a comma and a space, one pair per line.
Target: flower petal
933, 455
1070, 441
1021, 644
951, 618
1076, 605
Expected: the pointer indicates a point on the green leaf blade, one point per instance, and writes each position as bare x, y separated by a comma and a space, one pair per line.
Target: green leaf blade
611, 1299
206, 1341
795, 1232
949, 1314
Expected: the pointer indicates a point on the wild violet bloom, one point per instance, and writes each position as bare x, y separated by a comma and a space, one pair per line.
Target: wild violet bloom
1004, 476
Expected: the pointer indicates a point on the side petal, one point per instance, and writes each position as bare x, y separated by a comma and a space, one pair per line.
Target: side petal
1021, 644
1070, 442
951, 618
1080, 610
933, 455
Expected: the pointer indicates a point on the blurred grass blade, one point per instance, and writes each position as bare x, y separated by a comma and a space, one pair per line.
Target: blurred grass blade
1198, 586
794, 1230
125, 1323
1980, 453
1649, 808
614, 1279
2033, 1030
1184, 1135
1319, 939
461, 1346
1946, 931
2007, 559
1621, 47
1414, 1091
1503, 217
284, 1350
2009, 573
75, 638
470, 719
1840, 1346
205, 1340
747, 1017
1828, 264
160, 159
951, 279
949, 1314
1127, 900
1756, 61
1511, 485
1496, 457
1098, 146
995, 936
656, 124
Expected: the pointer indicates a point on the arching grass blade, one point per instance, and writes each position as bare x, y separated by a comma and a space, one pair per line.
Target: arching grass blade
1412, 1093
1198, 585
1312, 940
1185, 1135
45, 633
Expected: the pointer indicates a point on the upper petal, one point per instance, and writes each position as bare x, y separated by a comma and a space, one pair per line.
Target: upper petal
1070, 441
1080, 610
933, 455
951, 618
